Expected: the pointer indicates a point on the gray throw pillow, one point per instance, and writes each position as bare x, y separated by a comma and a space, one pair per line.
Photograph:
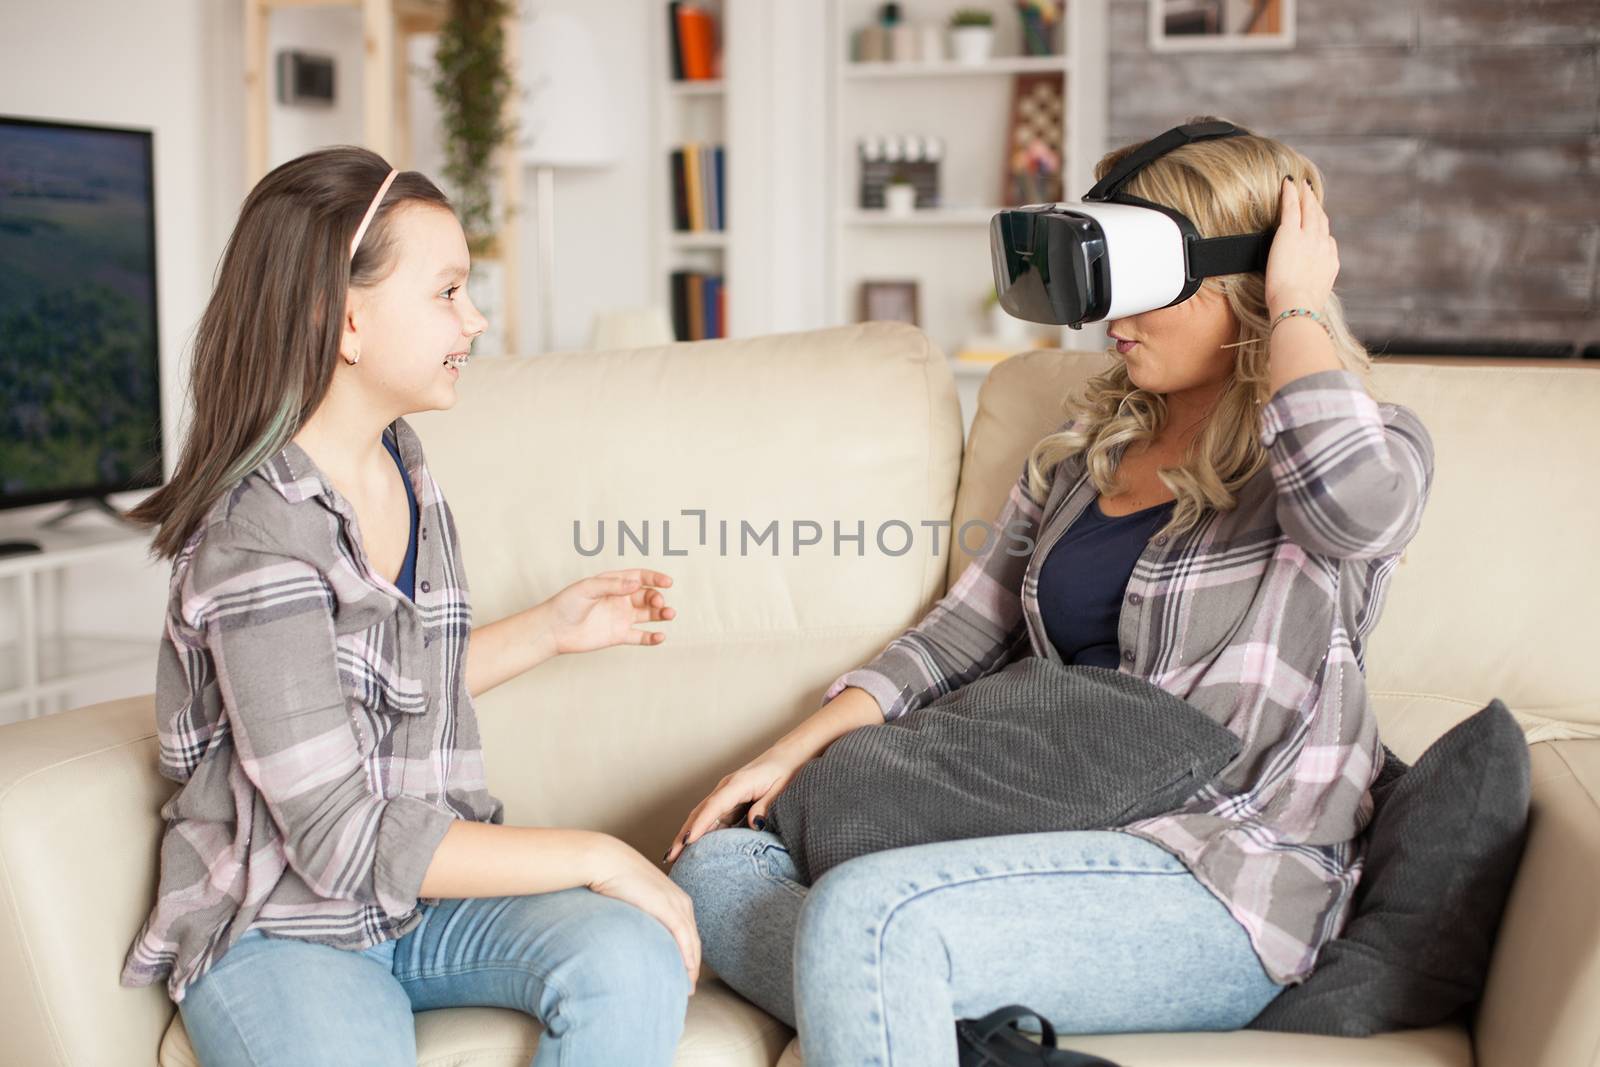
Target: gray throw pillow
1033, 747
1442, 852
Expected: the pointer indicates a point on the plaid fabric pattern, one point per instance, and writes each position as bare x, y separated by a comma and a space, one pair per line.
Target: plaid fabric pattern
1257, 616
316, 719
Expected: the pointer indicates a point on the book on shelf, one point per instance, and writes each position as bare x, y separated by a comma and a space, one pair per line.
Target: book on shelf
695, 55
699, 305
699, 202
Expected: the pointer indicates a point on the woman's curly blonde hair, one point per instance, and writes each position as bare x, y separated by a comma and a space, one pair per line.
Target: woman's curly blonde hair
1230, 185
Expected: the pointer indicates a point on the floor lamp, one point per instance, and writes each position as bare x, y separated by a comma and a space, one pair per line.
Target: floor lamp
569, 121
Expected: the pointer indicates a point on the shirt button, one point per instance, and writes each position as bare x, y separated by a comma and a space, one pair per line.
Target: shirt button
426, 587
1135, 598
1127, 655
1161, 540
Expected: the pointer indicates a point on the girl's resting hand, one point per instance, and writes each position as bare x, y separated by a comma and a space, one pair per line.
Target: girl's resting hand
757, 783
602, 610
622, 873
1304, 259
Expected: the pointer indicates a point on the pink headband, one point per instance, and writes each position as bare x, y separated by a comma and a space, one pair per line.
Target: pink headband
372, 209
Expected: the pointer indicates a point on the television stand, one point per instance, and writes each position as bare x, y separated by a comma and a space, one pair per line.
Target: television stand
52, 660
82, 504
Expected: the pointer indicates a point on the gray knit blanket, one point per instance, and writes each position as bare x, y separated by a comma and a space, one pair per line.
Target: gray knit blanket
1033, 747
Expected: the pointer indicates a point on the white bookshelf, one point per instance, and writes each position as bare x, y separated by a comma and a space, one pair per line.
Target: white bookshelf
686, 111
946, 249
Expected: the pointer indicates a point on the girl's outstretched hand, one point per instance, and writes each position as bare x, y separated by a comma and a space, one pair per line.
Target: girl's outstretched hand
603, 610
1304, 259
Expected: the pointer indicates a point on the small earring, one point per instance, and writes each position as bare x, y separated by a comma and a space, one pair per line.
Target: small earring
354, 361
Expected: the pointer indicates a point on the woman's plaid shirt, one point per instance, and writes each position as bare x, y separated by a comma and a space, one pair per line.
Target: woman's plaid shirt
1257, 616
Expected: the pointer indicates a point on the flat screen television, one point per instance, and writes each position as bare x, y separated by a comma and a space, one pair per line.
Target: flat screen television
80, 385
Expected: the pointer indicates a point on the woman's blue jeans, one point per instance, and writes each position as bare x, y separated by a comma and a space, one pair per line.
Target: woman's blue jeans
1102, 932
605, 979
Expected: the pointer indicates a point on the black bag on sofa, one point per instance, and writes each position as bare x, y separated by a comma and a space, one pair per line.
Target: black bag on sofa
993, 1041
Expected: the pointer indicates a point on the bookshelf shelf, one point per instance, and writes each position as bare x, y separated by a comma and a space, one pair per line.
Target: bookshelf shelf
945, 69
698, 239
696, 88
938, 216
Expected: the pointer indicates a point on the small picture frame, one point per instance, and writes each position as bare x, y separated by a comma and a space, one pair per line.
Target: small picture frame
1221, 25
890, 300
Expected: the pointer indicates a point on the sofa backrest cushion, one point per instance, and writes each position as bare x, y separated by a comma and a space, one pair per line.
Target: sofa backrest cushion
854, 425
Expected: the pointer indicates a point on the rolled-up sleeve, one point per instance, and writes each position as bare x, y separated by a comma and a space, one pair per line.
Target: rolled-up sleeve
1351, 482
268, 622
974, 628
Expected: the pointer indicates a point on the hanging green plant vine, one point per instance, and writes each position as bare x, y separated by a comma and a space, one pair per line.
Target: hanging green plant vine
472, 85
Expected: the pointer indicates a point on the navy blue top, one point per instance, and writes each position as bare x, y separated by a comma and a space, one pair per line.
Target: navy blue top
1084, 576
407, 582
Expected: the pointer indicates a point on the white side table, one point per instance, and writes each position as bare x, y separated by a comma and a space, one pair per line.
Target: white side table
41, 661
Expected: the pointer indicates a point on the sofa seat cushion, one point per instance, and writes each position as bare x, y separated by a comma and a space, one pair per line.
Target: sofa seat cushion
1437, 1046
722, 1030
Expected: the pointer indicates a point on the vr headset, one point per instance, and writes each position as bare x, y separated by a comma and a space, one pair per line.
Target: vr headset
1113, 254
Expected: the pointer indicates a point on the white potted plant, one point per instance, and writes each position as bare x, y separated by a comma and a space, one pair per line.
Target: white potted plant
972, 35
900, 195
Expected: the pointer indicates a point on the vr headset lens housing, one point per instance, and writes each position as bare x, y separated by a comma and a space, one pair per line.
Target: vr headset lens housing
1112, 254
1071, 263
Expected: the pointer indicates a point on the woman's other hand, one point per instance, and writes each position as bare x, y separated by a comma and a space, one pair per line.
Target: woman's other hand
604, 609
1304, 259
757, 784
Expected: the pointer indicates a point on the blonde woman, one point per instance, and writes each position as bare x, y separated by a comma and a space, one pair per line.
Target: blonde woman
1219, 516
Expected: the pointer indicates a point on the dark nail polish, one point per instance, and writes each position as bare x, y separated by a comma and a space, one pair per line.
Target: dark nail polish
665, 854
760, 823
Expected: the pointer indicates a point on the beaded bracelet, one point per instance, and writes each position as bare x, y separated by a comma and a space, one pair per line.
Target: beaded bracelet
1312, 315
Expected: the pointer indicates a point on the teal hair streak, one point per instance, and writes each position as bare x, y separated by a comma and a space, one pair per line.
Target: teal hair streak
276, 436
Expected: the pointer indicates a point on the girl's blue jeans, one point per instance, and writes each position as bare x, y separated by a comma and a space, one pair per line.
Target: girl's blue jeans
1102, 932
605, 979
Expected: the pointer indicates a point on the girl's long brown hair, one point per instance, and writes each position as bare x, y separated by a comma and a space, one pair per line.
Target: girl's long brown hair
264, 351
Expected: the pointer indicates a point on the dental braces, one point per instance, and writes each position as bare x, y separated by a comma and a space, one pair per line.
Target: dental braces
457, 361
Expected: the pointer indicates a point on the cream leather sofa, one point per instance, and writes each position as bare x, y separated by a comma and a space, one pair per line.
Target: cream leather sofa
1496, 597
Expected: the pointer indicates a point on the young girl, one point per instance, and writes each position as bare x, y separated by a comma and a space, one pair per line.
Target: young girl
1220, 517
333, 861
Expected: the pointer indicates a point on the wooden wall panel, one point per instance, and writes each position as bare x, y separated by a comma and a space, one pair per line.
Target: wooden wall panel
1460, 140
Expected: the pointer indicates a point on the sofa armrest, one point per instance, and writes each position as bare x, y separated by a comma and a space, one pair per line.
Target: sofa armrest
80, 831
1544, 979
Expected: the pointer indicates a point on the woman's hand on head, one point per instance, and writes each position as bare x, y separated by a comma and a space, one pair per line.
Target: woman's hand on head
604, 610
1304, 260
756, 784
